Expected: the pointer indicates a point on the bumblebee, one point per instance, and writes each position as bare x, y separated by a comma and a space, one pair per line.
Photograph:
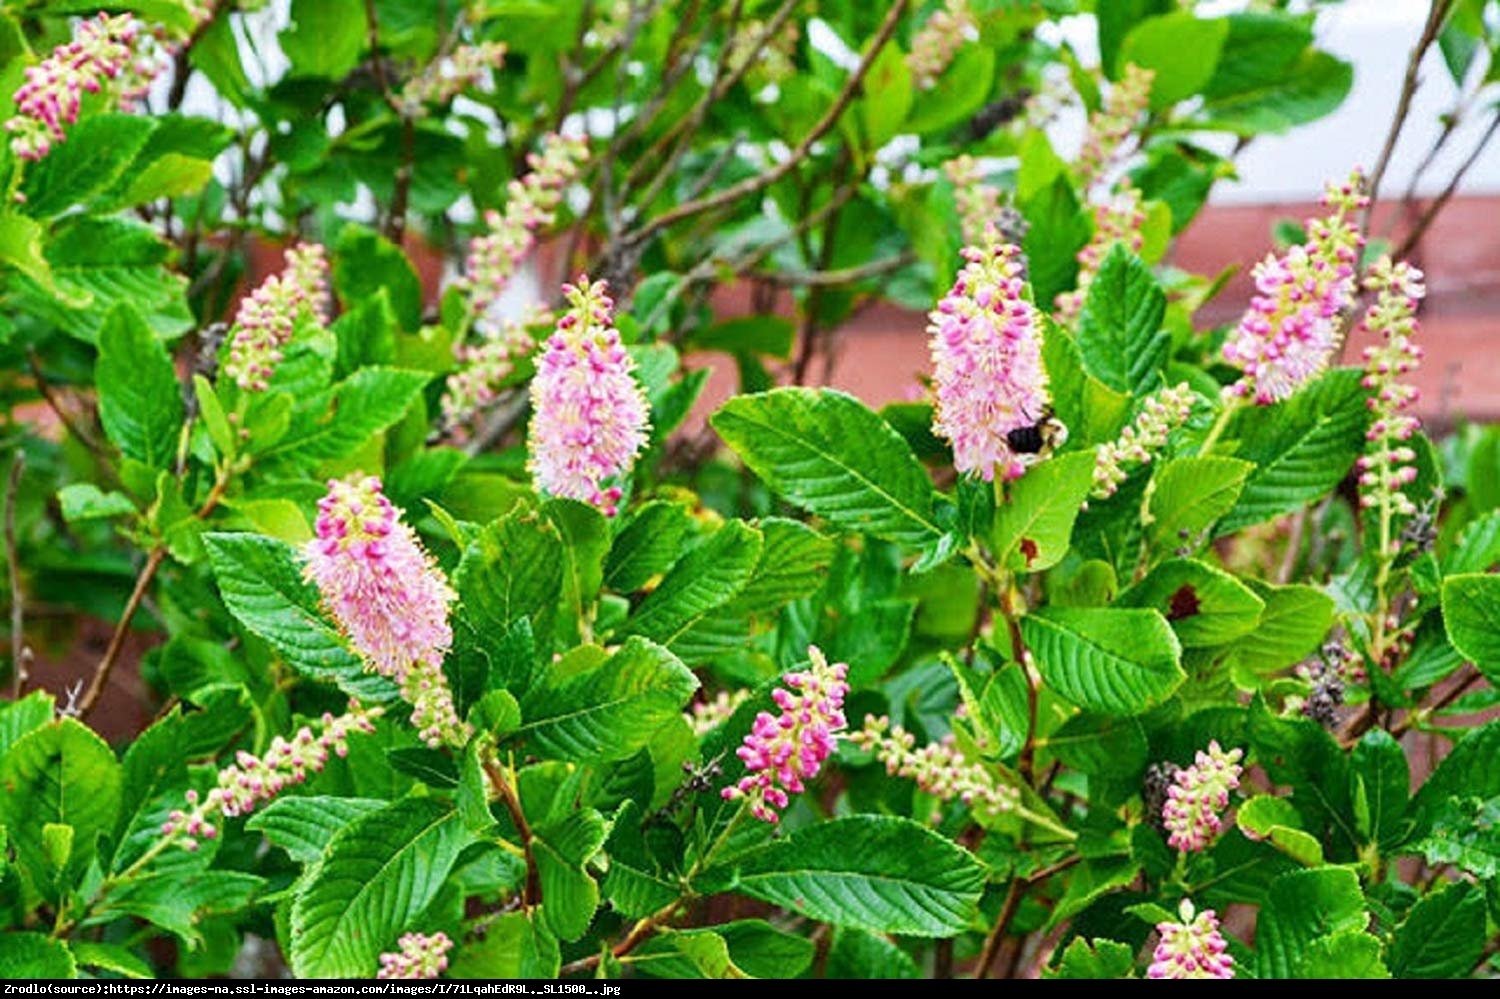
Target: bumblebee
1039, 438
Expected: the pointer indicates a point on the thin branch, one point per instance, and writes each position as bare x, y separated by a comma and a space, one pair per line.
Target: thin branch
531, 893
55, 404
836, 278
997, 934
639, 934
19, 653
1435, 208
760, 182
116, 645
1436, 15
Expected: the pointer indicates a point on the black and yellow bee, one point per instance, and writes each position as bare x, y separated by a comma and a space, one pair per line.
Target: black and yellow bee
1039, 438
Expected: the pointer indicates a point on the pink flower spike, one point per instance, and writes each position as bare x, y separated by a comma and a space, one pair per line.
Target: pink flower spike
390, 599
1387, 465
1293, 325
1193, 948
590, 417
783, 752
986, 350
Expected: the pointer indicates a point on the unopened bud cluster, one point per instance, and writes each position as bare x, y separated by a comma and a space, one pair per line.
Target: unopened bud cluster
1193, 813
422, 955
268, 316
938, 768
938, 41
1138, 443
484, 367
1388, 467
253, 779
1110, 128
445, 78
705, 716
1192, 948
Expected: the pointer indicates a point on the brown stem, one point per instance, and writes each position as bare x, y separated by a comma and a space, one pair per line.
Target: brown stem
639, 934
841, 276
997, 934
154, 559
122, 629
395, 225
18, 651
1027, 762
531, 894
1436, 15
761, 181
1431, 213
1452, 694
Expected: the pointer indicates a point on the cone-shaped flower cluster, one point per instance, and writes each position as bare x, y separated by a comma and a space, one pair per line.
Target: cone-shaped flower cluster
1198, 796
256, 779
1292, 327
268, 315
589, 415
445, 78
1160, 414
1116, 220
935, 44
421, 955
483, 368
939, 768
978, 202
706, 716
109, 55
987, 361
1104, 147
1387, 467
783, 752
1193, 948
390, 599
531, 204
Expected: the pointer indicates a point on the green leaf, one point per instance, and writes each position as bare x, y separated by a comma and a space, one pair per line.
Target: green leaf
366, 334
1468, 771
1264, 817
154, 782
827, 452
705, 578
21, 247
878, 873
109, 957
686, 954
764, 335
584, 532
1310, 87
635, 885
326, 38
261, 582
1181, 49
1301, 908
1352, 954
1060, 227
1118, 662
34, 955
1091, 410
340, 419
1205, 606
59, 774
378, 874
650, 539
1301, 448
1095, 959
140, 402
1464, 832
81, 501
1189, 494
562, 849
1294, 623
512, 569
96, 154
860, 954
98, 263
956, 95
762, 951
1443, 936
1033, 526
611, 712
515, 945
180, 901
1471, 611
885, 97
365, 263
1300, 753
1120, 327
1380, 778
17, 718
1257, 52
304, 826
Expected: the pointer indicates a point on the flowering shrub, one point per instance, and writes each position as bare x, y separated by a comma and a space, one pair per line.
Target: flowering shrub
387, 602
